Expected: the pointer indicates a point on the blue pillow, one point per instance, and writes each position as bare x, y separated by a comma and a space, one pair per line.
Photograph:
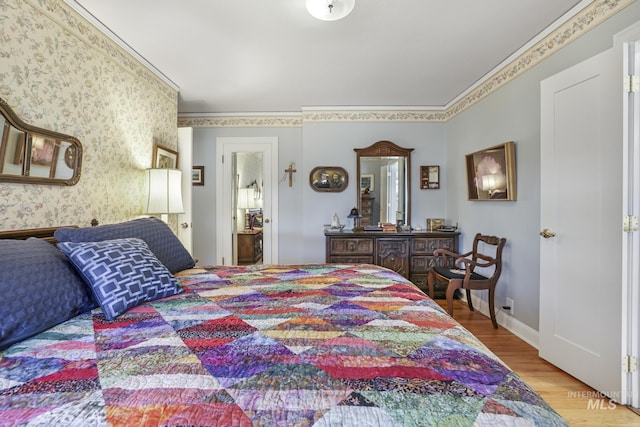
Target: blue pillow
121, 273
157, 235
39, 289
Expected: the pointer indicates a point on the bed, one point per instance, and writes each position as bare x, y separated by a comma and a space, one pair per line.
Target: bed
281, 345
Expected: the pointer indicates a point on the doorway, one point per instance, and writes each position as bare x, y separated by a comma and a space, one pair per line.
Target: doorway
247, 240
247, 194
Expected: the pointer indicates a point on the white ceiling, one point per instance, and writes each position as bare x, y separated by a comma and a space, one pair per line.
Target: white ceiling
240, 56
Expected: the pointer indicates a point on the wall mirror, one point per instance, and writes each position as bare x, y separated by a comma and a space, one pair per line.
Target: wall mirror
384, 183
32, 155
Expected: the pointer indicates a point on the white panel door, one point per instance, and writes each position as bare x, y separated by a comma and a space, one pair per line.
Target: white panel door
185, 159
581, 202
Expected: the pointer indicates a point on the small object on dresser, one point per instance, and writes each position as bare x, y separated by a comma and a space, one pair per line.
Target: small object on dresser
434, 223
448, 228
355, 215
335, 222
389, 228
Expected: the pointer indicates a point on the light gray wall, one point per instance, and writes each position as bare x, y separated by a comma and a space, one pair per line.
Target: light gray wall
513, 114
332, 144
303, 211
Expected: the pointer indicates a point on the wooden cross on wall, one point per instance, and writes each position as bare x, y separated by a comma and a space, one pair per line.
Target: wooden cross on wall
290, 170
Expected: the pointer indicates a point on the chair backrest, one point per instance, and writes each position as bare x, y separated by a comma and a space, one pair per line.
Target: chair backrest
498, 244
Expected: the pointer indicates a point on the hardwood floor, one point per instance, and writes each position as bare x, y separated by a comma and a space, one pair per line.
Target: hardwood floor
578, 403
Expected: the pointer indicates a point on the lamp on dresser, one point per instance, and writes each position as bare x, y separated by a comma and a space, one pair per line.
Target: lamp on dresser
355, 215
163, 192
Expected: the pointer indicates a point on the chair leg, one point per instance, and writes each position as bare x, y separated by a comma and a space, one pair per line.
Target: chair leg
492, 308
451, 291
431, 279
469, 302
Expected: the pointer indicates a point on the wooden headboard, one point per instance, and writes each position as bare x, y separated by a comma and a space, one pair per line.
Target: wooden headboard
41, 233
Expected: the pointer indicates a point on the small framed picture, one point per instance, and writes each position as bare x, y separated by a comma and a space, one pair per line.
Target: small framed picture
164, 157
429, 177
197, 175
367, 181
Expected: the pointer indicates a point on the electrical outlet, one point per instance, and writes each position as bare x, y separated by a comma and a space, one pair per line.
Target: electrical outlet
511, 306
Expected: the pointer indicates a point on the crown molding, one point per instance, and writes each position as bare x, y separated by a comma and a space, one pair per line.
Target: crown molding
568, 30
386, 114
247, 120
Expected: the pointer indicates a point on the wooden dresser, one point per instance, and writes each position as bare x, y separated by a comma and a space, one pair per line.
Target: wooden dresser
249, 247
408, 253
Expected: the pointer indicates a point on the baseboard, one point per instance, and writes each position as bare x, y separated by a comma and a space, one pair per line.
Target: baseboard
510, 323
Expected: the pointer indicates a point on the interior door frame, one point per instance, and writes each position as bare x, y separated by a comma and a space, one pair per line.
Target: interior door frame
225, 182
185, 224
628, 42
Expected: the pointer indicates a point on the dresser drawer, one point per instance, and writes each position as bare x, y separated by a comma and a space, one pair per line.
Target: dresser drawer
426, 245
424, 263
351, 246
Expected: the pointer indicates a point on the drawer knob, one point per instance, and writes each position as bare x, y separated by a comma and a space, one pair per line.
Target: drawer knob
352, 246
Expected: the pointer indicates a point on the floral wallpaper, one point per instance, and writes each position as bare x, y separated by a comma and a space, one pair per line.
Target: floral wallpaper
59, 72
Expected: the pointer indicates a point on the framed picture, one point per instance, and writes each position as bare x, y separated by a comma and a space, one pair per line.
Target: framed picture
491, 173
328, 179
197, 175
164, 157
429, 177
367, 180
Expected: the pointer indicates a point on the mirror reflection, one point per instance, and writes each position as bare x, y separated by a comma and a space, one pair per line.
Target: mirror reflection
384, 175
33, 155
387, 198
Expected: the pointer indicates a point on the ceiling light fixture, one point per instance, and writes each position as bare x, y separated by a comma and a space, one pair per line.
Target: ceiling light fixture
330, 10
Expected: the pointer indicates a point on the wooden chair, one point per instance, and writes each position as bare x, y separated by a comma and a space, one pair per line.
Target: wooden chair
464, 275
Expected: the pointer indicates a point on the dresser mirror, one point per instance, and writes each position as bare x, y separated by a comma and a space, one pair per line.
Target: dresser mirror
384, 178
32, 155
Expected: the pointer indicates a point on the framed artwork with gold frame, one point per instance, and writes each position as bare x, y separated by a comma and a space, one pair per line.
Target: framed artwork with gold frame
164, 157
491, 173
328, 179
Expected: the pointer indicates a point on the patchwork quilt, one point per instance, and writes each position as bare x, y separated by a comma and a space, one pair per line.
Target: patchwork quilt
306, 345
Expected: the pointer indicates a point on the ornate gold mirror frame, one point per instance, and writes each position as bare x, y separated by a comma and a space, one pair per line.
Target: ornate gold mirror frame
32, 155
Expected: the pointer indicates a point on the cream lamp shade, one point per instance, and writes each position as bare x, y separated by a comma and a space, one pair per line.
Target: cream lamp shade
246, 198
163, 191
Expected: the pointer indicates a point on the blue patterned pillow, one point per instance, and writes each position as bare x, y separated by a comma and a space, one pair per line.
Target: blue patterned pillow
156, 234
39, 288
121, 273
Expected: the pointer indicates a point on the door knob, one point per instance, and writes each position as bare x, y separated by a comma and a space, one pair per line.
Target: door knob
266, 221
546, 233
184, 225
